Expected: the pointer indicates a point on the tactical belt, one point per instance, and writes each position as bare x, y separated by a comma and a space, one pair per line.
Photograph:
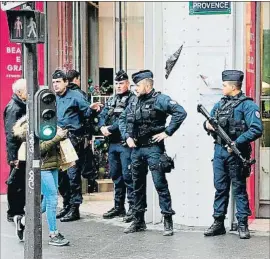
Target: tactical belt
142, 142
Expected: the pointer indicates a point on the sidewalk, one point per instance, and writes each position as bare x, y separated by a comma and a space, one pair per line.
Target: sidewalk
95, 204
95, 238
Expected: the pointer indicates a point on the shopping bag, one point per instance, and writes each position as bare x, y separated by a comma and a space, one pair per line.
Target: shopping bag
68, 152
22, 152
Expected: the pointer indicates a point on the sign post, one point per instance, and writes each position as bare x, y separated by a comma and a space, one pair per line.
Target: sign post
33, 230
28, 27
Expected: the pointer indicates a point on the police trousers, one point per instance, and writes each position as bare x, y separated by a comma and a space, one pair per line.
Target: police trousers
70, 183
120, 172
229, 169
141, 158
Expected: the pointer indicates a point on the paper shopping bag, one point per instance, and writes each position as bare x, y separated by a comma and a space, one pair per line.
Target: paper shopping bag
22, 152
67, 151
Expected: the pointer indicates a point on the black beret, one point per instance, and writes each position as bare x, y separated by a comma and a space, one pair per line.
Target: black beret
120, 76
232, 75
59, 74
143, 74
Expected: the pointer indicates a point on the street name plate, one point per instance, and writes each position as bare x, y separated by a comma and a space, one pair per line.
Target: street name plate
209, 8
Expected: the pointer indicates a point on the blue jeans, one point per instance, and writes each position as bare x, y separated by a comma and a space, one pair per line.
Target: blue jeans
141, 158
49, 187
120, 172
227, 169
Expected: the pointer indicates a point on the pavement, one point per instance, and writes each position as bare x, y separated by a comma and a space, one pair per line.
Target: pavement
95, 238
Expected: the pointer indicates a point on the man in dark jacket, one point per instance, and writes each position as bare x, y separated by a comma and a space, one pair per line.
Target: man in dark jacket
14, 110
72, 109
74, 81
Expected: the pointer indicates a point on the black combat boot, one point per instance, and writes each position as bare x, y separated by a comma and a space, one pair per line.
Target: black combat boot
114, 212
129, 216
63, 212
243, 230
216, 229
137, 225
72, 215
168, 225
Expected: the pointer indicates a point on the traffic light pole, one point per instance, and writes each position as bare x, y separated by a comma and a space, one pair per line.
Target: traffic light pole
33, 230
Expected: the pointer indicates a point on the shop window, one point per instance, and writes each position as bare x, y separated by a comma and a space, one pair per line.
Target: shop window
62, 25
265, 72
132, 36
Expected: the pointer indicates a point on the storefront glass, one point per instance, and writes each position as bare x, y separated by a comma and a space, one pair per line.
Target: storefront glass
60, 17
264, 190
132, 36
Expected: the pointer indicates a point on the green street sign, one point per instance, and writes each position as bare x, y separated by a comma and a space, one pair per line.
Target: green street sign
209, 8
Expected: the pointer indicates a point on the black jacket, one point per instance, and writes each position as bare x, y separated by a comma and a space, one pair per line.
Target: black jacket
14, 110
73, 86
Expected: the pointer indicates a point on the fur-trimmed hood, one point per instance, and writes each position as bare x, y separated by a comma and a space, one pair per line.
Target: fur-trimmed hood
20, 128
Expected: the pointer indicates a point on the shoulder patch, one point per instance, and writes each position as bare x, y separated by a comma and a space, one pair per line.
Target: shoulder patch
173, 102
258, 115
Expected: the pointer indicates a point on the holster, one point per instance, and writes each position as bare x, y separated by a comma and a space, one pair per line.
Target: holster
166, 163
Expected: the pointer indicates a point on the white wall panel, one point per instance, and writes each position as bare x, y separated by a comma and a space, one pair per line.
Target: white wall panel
208, 50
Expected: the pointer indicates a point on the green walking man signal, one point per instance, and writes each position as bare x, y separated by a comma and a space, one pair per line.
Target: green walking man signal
45, 114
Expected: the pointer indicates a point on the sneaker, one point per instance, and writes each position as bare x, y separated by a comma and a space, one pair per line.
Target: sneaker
10, 218
20, 226
58, 240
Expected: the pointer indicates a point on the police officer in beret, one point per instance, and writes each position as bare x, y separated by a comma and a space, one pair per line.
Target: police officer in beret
239, 116
142, 125
72, 108
119, 154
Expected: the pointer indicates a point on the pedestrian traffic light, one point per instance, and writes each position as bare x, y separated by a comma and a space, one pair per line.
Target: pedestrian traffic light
26, 26
45, 114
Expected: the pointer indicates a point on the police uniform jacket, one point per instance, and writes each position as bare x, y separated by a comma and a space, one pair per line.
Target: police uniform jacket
163, 106
244, 124
111, 112
72, 108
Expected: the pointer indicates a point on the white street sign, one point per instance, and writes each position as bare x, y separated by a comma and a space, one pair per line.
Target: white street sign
11, 4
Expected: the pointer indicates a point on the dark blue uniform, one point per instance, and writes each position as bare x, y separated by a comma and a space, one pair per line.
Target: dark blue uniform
72, 108
119, 153
247, 127
159, 106
239, 116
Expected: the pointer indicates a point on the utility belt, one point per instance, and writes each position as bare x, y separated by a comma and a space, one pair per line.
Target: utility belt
145, 142
76, 139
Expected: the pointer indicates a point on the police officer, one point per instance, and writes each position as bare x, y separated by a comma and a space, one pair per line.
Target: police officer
143, 126
72, 108
119, 154
239, 116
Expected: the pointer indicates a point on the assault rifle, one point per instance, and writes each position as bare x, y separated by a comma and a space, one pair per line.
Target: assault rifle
223, 135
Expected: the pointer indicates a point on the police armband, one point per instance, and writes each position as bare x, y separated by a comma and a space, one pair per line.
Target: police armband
166, 163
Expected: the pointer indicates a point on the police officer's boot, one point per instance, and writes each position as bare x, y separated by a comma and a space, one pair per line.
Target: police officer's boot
137, 225
72, 215
63, 212
168, 225
129, 216
217, 228
114, 212
243, 230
